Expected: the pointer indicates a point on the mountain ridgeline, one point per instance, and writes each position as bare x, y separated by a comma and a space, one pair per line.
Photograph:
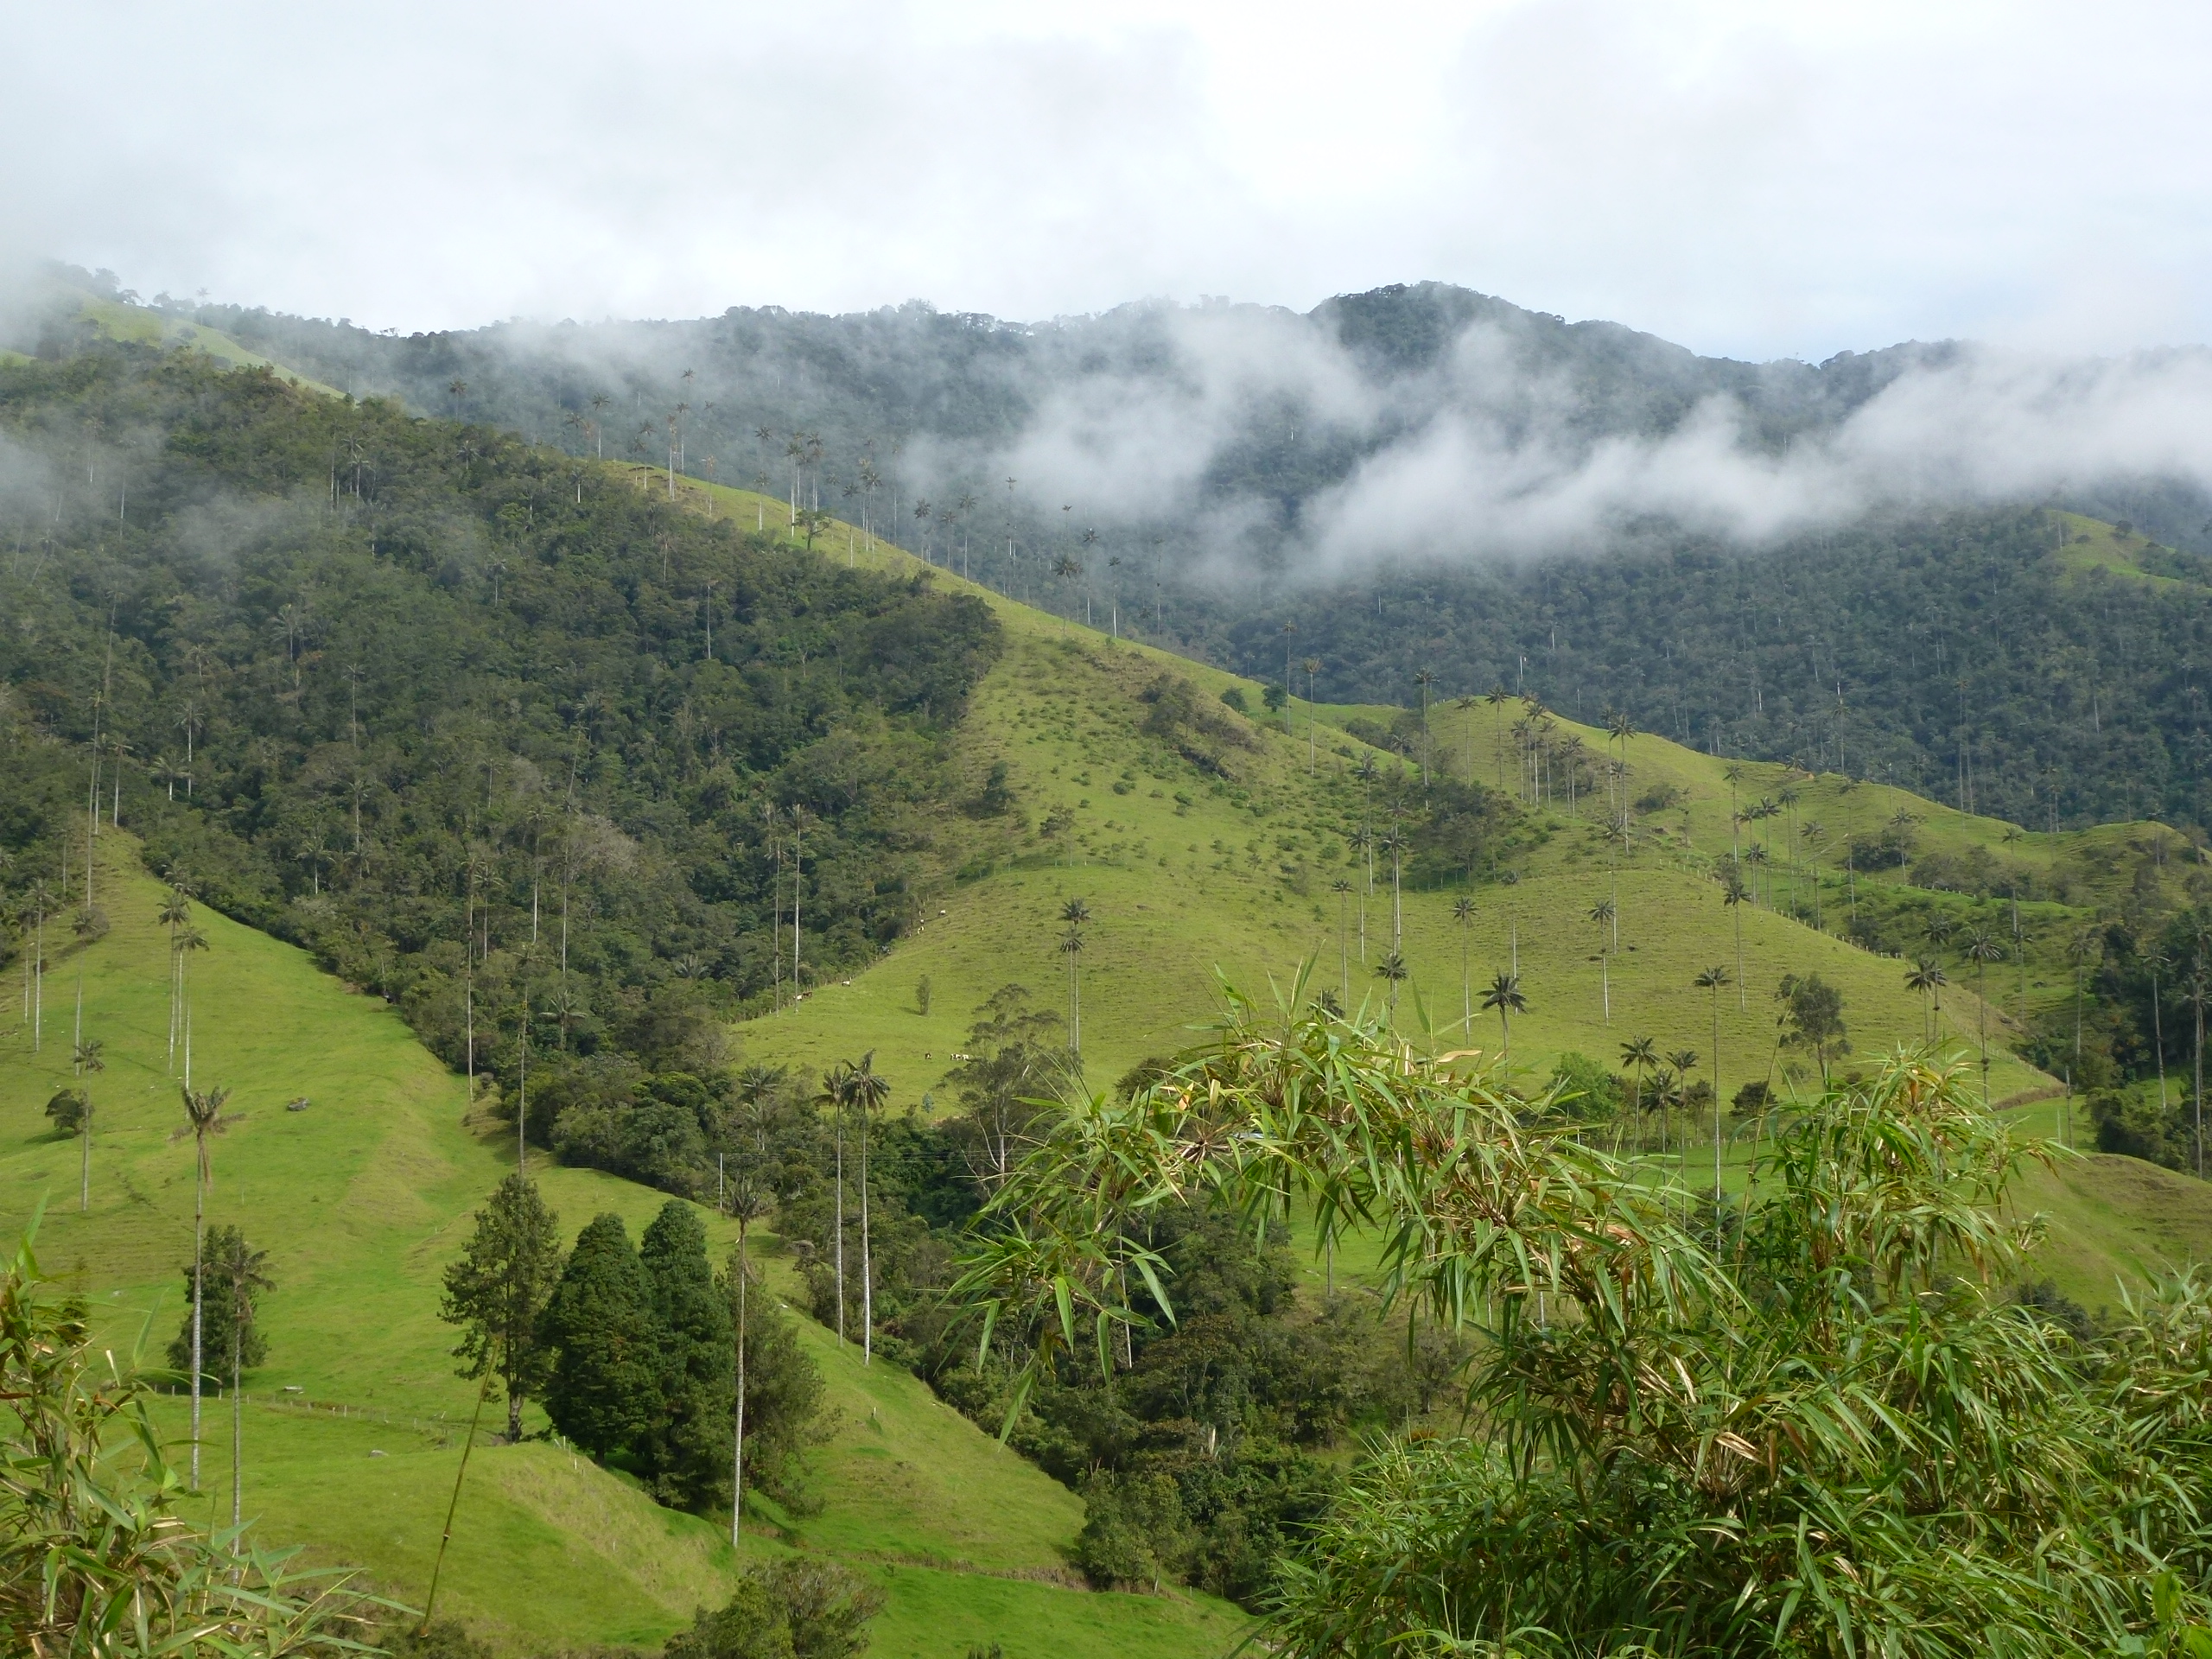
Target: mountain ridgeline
1959, 653
509, 740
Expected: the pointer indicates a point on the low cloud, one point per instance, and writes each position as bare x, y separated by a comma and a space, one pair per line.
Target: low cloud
1482, 455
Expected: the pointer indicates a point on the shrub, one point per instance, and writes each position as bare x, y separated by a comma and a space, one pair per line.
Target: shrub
1593, 1093
1135, 1532
67, 1109
804, 1608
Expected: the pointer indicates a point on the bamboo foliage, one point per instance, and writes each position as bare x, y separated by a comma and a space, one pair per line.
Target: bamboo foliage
1809, 1423
94, 1559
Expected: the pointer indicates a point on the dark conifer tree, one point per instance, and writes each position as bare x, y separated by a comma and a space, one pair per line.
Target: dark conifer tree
603, 1391
687, 1446
497, 1290
230, 1337
782, 1397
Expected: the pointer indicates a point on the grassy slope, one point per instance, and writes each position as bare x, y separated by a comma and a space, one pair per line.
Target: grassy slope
1179, 892
1173, 909
362, 1197
136, 322
2093, 546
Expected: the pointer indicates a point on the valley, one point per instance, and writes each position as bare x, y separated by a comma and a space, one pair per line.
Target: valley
946, 802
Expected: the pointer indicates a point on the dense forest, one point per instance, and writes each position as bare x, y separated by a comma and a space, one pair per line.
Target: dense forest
555, 767
1952, 654
1945, 651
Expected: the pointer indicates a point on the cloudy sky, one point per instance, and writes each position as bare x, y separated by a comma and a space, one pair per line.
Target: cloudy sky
1757, 179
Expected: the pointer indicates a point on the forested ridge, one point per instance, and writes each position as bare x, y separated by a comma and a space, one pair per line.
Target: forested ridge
1946, 650
1957, 656
499, 735
551, 762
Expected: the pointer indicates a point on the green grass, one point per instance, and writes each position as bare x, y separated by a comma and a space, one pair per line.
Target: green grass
140, 323
364, 1197
1189, 877
361, 1199
2094, 547
1061, 710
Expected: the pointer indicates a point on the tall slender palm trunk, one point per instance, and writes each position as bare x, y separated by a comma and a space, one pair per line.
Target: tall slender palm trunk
1716, 1116
198, 1274
2200, 1084
840, 1242
1397, 904
868, 1272
2158, 1039
85, 1104
737, 1455
237, 1424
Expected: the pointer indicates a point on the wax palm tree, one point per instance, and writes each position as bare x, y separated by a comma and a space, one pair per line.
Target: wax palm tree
1392, 971
747, 1201
2085, 951
1756, 857
1602, 913
837, 1094
247, 1271
1497, 697
1065, 570
1683, 1061
1618, 729
1394, 843
2197, 993
187, 942
1465, 705
87, 1061
1641, 1054
1342, 887
1981, 949
1715, 979
1926, 976
1362, 841
38, 903
867, 1092
315, 853
1463, 912
1787, 798
1732, 894
1572, 751
2157, 961
1505, 995
189, 720
1424, 677
1813, 835
1075, 912
17, 918
203, 1114
1310, 666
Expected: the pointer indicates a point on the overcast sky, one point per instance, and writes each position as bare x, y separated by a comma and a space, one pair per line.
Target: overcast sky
1755, 178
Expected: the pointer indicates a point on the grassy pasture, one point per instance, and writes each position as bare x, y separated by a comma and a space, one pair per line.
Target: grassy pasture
361, 1199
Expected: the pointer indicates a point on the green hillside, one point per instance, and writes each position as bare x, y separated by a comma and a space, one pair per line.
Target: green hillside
118, 319
1235, 883
361, 1199
1207, 845
1188, 872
